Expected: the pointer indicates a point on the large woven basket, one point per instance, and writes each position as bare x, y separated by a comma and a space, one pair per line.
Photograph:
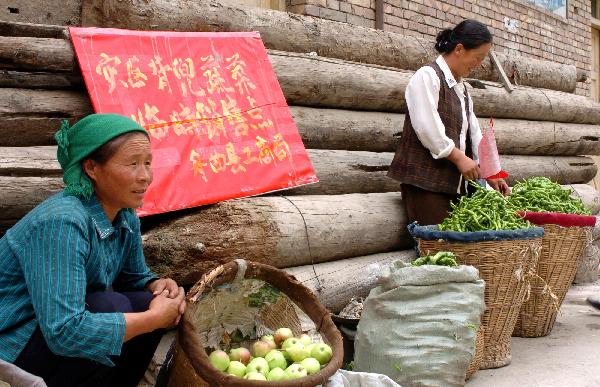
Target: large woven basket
504, 265
256, 299
562, 249
479, 348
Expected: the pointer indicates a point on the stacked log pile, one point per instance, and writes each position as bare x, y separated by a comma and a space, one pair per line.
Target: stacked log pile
349, 115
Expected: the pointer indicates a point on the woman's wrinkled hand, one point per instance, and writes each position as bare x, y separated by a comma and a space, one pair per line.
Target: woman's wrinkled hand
166, 310
499, 185
159, 286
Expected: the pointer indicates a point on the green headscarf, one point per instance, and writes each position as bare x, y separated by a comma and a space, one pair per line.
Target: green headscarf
77, 142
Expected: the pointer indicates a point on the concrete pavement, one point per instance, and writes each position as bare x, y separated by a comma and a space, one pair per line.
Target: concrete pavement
568, 357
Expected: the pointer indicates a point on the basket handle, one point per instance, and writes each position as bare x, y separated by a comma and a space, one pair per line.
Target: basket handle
196, 291
241, 273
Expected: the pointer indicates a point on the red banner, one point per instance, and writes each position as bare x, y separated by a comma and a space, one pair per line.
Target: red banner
218, 122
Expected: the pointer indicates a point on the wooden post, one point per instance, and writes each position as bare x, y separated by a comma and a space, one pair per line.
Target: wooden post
503, 78
379, 21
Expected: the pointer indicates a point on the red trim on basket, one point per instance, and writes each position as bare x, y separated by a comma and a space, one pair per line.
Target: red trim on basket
558, 218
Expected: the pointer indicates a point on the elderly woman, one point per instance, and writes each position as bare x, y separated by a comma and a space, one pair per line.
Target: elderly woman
78, 305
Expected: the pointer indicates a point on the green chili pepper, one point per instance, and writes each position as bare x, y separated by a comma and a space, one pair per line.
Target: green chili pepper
541, 194
484, 210
442, 258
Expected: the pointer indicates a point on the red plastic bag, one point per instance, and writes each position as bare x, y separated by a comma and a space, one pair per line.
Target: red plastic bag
489, 160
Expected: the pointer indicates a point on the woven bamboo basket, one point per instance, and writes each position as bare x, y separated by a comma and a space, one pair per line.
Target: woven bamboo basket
479, 348
504, 265
236, 303
562, 250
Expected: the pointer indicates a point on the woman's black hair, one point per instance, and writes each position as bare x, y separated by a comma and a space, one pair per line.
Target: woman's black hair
470, 33
106, 151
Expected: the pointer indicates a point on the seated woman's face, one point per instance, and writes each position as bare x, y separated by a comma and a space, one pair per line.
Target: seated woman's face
122, 181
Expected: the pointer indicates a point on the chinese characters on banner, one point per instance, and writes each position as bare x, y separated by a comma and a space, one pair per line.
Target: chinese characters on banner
218, 121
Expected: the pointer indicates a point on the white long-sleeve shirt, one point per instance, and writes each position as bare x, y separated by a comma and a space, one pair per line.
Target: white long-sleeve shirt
422, 96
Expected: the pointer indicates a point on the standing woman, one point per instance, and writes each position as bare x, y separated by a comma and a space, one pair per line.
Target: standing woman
437, 153
78, 305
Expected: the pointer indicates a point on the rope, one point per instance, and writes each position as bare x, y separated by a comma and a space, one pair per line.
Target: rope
312, 261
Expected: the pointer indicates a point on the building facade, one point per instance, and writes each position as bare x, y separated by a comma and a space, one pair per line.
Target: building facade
555, 30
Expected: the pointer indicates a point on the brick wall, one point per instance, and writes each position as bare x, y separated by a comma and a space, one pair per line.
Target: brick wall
518, 27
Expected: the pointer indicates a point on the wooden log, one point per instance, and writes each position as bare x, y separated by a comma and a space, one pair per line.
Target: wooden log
563, 170
363, 172
335, 283
380, 132
348, 129
25, 124
339, 171
348, 172
324, 82
29, 161
582, 75
291, 32
19, 195
312, 81
8, 28
31, 117
521, 137
280, 231
40, 80
36, 54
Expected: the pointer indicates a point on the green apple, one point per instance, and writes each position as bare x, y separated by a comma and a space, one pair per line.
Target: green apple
258, 364
269, 339
295, 371
305, 339
321, 352
260, 348
297, 352
236, 368
290, 342
240, 354
255, 376
281, 335
277, 374
309, 347
276, 359
219, 359
287, 356
311, 365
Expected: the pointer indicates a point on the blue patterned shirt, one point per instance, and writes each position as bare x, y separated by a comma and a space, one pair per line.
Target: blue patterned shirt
64, 248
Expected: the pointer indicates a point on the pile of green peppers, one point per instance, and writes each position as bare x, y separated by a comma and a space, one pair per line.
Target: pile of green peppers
443, 258
541, 194
483, 211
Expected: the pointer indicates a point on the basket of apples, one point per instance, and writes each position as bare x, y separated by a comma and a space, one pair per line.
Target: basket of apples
250, 324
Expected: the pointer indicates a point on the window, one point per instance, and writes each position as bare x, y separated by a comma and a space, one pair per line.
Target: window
272, 4
559, 7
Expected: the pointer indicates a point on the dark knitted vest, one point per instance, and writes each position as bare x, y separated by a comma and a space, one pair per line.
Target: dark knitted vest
413, 163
